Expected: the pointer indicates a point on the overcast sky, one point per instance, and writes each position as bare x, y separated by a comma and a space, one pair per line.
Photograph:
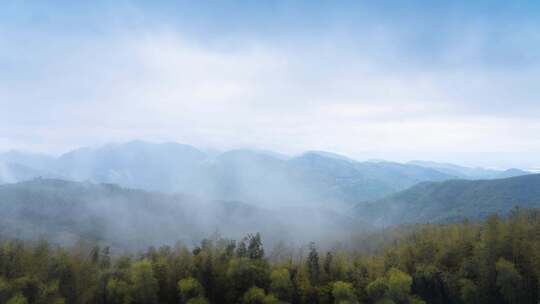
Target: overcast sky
457, 82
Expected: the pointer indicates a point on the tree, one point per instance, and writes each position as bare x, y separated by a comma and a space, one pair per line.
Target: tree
197, 300
4, 290
327, 267
17, 299
255, 250
241, 249
469, 292
145, 286
343, 293
313, 264
244, 273
487, 257
377, 289
254, 295
281, 284
190, 288
427, 283
509, 281
399, 285
271, 299
118, 291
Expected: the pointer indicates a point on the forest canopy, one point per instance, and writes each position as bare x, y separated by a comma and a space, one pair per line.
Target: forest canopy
494, 261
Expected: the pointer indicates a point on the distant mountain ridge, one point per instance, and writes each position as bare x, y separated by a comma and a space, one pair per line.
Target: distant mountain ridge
15, 172
260, 177
470, 173
453, 200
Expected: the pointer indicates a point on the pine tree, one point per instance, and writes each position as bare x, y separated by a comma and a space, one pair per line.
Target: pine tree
313, 264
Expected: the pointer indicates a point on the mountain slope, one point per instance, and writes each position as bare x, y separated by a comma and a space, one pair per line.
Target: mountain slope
14, 172
260, 177
65, 211
359, 181
453, 200
469, 173
31, 160
135, 164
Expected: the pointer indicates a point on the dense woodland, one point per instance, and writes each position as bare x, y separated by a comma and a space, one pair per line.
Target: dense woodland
495, 261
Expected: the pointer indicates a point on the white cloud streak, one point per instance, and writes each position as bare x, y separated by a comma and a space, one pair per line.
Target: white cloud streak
160, 85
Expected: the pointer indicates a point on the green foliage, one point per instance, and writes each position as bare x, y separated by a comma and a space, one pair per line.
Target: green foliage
313, 264
197, 300
496, 261
281, 284
509, 281
469, 292
118, 291
190, 288
254, 295
343, 293
4, 290
17, 299
399, 285
453, 200
255, 248
144, 284
415, 300
377, 289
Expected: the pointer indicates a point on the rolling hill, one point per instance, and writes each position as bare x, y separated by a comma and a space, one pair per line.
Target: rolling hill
453, 200
259, 177
65, 211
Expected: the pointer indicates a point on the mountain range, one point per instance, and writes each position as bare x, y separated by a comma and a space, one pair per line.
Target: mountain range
259, 177
136, 194
66, 211
469, 173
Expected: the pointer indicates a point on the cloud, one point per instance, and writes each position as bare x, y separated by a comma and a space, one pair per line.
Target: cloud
365, 91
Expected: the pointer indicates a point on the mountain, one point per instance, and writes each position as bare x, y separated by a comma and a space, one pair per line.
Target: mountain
512, 173
65, 211
14, 172
31, 160
453, 200
469, 173
260, 177
352, 181
16, 166
311, 178
135, 164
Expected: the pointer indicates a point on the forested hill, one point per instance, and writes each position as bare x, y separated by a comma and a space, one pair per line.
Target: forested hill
259, 177
453, 200
493, 262
65, 211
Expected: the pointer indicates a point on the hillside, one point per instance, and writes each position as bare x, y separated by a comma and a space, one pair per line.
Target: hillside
353, 181
260, 177
64, 212
13, 172
453, 200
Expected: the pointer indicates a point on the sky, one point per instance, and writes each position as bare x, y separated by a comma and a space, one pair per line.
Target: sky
457, 81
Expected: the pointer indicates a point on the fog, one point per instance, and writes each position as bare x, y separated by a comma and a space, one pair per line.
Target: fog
134, 194
66, 212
